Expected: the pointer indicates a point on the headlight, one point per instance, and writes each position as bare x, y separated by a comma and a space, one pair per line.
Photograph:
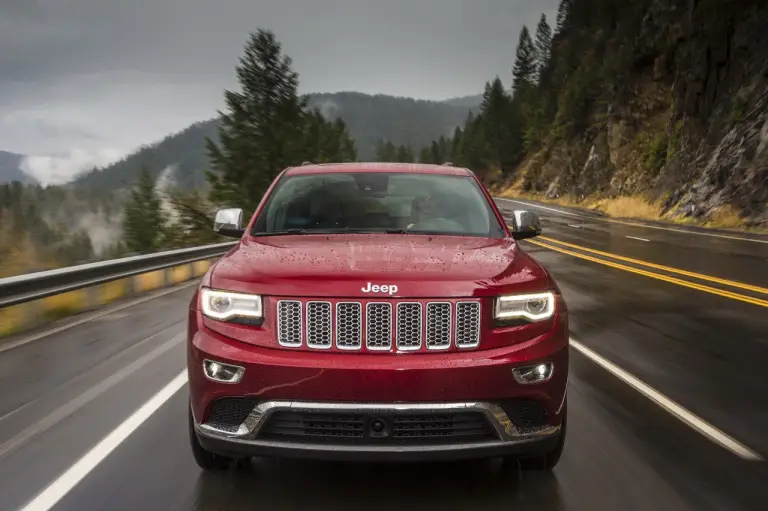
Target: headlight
225, 305
533, 307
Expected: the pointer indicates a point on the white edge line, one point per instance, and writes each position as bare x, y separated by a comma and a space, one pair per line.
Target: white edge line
635, 224
9, 345
574, 226
695, 422
77, 472
636, 238
544, 207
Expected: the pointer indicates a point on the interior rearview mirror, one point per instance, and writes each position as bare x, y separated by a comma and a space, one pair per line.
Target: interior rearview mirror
229, 222
527, 224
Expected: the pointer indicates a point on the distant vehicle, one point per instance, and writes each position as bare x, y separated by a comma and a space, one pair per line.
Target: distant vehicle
377, 312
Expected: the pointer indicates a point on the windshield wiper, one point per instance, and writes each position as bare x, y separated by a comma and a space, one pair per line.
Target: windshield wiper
332, 231
371, 231
281, 233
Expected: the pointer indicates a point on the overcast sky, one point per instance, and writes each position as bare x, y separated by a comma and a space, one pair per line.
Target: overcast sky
83, 82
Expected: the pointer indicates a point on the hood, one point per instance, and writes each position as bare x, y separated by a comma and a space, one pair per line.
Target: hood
360, 265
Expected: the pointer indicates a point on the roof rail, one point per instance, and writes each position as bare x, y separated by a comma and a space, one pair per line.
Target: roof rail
448, 164
305, 163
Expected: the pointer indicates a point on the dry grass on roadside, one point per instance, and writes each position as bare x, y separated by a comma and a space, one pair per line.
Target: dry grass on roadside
636, 207
629, 207
724, 217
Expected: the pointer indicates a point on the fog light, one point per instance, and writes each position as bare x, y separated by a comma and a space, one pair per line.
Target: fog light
223, 373
533, 374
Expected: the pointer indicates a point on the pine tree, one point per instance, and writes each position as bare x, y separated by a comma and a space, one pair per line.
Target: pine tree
503, 144
404, 154
386, 151
195, 217
524, 70
475, 147
261, 132
562, 14
343, 142
143, 221
543, 46
457, 147
326, 141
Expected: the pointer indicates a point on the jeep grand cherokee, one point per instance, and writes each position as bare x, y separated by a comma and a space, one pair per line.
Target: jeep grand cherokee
377, 312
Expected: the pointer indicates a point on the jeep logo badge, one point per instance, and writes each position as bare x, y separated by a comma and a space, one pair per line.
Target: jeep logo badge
391, 289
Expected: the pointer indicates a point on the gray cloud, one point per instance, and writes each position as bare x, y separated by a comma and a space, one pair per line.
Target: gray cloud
103, 77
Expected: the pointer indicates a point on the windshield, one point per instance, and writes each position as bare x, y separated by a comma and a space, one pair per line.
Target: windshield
378, 202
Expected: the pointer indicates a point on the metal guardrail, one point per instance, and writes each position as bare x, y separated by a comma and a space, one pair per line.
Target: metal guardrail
33, 286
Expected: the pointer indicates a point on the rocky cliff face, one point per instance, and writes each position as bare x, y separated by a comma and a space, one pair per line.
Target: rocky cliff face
687, 125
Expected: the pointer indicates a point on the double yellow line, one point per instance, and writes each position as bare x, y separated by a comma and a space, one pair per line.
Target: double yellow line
658, 276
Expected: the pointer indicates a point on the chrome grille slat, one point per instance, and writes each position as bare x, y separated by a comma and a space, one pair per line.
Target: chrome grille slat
349, 325
438, 325
319, 325
467, 324
289, 323
409, 326
378, 326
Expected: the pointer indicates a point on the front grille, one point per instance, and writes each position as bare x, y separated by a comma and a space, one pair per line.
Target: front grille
410, 325
449, 426
228, 413
357, 428
305, 426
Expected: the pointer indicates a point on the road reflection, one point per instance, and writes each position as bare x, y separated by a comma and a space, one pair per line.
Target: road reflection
302, 485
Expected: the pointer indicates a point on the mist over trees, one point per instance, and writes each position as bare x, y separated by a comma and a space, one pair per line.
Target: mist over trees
35, 233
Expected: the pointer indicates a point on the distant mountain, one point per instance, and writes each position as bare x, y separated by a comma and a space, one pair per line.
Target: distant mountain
465, 101
10, 169
369, 119
184, 150
402, 121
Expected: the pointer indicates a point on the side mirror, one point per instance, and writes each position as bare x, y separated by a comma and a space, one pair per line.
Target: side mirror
527, 225
229, 222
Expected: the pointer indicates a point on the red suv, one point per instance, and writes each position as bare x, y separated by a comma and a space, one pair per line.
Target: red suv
377, 312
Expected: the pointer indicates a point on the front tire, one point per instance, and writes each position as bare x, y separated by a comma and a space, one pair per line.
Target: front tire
207, 460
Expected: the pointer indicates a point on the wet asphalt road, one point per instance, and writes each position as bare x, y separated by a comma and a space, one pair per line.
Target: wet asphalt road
63, 393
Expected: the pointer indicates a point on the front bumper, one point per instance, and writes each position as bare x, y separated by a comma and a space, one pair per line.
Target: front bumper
476, 382
509, 440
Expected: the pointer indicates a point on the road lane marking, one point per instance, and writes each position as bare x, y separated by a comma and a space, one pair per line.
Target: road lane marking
700, 276
638, 239
59, 488
89, 395
83, 375
5, 346
574, 226
697, 423
658, 276
545, 208
635, 224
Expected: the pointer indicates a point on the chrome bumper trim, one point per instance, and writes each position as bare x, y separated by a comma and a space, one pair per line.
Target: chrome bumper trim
505, 429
